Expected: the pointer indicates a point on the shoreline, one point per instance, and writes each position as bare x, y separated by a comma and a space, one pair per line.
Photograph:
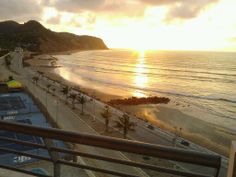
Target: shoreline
157, 115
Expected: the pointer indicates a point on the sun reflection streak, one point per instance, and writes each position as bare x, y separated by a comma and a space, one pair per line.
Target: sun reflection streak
63, 72
137, 93
140, 78
67, 74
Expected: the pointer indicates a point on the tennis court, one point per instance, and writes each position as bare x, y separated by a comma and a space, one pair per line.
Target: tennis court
11, 103
19, 107
15, 104
18, 136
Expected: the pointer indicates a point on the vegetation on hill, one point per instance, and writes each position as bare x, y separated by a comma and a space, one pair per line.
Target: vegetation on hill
35, 37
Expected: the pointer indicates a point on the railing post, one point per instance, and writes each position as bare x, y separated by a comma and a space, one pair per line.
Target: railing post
56, 169
54, 156
75, 159
232, 161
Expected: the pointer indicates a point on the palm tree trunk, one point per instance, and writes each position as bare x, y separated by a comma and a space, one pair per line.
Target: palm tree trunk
82, 106
126, 127
107, 124
66, 97
125, 132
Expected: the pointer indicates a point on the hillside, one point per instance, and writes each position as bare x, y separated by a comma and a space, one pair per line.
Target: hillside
35, 37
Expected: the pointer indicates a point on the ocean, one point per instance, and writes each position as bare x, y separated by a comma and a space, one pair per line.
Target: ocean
205, 81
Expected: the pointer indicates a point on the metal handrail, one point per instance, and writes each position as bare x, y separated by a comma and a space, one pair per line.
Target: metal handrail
169, 153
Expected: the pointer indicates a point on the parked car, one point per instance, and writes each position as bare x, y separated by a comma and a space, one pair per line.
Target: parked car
185, 143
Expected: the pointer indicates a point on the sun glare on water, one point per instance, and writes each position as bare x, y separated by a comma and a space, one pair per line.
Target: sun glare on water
140, 78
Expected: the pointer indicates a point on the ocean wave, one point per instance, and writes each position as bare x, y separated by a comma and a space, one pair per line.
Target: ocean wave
131, 66
115, 85
166, 75
227, 100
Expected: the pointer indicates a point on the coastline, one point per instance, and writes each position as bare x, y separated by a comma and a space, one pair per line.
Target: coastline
162, 116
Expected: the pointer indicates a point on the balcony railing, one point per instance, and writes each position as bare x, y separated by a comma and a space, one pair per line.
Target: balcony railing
173, 154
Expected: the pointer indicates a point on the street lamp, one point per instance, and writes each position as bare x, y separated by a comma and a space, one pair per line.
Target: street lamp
94, 109
56, 102
177, 135
93, 100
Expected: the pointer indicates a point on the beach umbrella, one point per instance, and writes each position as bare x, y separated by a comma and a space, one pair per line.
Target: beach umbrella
13, 84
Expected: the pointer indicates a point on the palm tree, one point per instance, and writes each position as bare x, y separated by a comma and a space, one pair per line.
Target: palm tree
40, 74
77, 88
106, 114
82, 101
48, 87
73, 97
65, 92
35, 79
177, 135
10, 78
8, 60
53, 91
125, 123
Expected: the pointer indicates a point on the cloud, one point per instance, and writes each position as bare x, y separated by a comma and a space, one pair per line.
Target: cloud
20, 10
78, 5
101, 7
188, 9
160, 2
54, 20
177, 9
232, 39
181, 9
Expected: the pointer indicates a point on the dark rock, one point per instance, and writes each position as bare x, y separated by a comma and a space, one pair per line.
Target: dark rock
137, 101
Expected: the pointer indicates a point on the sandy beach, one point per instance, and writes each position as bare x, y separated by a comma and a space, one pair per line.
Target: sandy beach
169, 117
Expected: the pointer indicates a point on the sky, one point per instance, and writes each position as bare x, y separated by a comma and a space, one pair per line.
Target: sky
136, 24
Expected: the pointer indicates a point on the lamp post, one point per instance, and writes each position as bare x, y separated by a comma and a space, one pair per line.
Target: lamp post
47, 91
56, 102
94, 109
177, 135
93, 102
